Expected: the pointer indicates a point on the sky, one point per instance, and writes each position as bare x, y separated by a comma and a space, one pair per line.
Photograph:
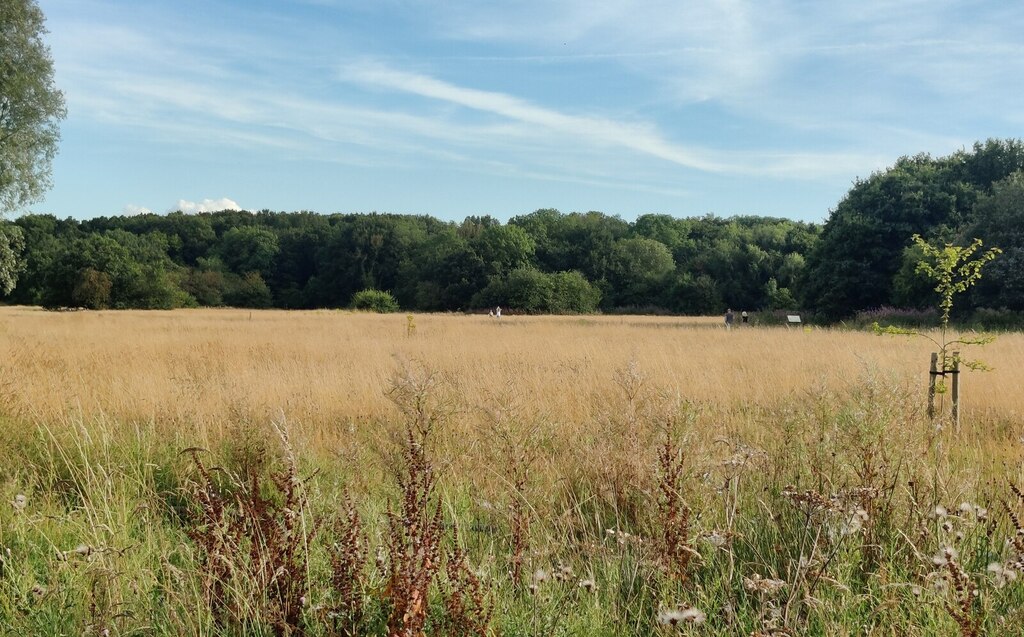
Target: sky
453, 108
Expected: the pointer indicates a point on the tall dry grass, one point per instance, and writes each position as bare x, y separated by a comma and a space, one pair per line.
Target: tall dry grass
594, 474
201, 368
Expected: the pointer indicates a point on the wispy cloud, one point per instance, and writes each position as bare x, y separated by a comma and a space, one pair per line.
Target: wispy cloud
594, 130
680, 100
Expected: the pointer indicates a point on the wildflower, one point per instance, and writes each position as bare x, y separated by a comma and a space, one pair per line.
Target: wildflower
852, 525
1002, 575
966, 508
716, 539
540, 576
680, 616
588, 585
944, 556
693, 616
940, 512
19, 502
763, 585
670, 617
82, 549
38, 590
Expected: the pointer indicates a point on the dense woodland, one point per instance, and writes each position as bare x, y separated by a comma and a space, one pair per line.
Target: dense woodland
548, 261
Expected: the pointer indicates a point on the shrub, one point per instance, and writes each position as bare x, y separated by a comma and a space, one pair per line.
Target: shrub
902, 317
92, 289
249, 290
990, 319
572, 293
532, 291
374, 301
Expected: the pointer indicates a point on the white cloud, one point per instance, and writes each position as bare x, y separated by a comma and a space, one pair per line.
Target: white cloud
131, 210
206, 205
599, 131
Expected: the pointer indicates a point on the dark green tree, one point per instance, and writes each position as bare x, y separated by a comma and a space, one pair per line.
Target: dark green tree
639, 270
854, 265
249, 249
571, 293
999, 221
522, 289
504, 248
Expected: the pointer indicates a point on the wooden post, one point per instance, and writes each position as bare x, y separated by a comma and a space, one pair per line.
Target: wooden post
955, 416
932, 373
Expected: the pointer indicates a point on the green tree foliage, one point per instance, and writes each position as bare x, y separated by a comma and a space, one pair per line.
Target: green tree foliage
249, 249
92, 289
548, 261
854, 265
31, 107
999, 219
139, 272
532, 291
525, 289
571, 293
12, 243
374, 301
953, 270
576, 241
503, 248
307, 260
247, 290
639, 269
207, 285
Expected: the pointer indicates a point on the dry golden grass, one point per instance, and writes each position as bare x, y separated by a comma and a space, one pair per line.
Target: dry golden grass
198, 374
562, 416
205, 367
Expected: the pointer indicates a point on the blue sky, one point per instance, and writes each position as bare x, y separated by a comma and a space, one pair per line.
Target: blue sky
452, 108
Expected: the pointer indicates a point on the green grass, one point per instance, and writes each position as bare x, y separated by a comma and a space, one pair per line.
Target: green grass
105, 538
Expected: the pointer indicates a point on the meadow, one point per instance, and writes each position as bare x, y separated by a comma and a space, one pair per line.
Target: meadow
227, 472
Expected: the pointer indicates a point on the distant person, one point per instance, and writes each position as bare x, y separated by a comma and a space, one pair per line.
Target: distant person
728, 319
744, 318
490, 313
497, 312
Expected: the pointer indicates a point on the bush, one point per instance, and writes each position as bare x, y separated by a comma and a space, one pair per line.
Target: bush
909, 318
92, 289
989, 319
374, 301
572, 293
249, 290
534, 292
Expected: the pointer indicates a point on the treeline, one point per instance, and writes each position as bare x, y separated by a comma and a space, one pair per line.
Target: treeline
864, 258
546, 261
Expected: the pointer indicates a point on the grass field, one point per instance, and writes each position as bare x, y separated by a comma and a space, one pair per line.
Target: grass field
225, 472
